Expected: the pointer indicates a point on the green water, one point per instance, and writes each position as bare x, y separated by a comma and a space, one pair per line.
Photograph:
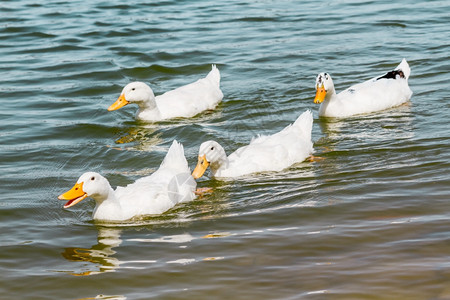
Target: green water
369, 221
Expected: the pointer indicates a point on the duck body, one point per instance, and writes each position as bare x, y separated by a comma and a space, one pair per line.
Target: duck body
264, 153
154, 194
186, 101
373, 95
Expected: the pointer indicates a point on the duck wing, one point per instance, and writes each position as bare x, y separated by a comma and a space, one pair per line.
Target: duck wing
191, 99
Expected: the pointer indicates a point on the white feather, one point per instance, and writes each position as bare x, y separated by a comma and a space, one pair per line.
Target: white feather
372, 95
264, 153
186, 101
154, 194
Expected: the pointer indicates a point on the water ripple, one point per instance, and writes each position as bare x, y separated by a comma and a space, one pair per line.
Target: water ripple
366, 220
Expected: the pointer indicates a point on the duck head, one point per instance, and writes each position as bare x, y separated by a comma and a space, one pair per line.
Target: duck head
89, 184
135, 92
211, 154
324, 87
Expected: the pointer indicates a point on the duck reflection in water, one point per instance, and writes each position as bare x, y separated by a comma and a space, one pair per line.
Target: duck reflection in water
143, 137
100, 254
385, 125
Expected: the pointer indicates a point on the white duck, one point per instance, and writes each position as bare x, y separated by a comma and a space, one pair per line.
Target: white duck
265, 153
186, 101
154, 194
376, 94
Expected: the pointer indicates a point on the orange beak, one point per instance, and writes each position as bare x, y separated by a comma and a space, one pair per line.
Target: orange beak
120, 102
320, 94
201, 167
74, 195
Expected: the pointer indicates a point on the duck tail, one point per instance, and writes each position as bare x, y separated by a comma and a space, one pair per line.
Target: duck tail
214, 75
175, 158
305, 122
404, 67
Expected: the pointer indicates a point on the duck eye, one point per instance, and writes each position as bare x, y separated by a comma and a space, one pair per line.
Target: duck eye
92, 178
133, 89
212, 148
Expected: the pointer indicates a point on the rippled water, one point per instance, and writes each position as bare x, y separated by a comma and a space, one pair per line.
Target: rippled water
369, 221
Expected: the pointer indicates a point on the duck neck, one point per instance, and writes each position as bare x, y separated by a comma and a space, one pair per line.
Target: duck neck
107, 205
148, 110
331, 93
219, 164
326, 103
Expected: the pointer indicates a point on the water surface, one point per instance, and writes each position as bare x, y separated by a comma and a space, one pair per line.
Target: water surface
368, 221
